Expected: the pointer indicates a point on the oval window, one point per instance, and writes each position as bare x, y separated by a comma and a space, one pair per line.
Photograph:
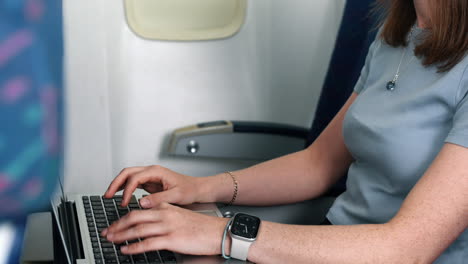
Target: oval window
185, 20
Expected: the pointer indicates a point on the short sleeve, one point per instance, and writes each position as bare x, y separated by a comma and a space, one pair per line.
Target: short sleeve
360, 84
459, 132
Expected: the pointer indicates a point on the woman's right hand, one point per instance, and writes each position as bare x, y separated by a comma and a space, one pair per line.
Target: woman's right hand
163, 184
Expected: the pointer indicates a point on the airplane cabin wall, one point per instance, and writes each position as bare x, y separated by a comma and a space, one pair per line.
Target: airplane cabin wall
126, 94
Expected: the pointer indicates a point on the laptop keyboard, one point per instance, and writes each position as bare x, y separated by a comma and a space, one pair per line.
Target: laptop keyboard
100, 213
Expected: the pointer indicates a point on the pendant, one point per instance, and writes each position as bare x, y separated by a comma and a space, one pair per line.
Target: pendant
391, 85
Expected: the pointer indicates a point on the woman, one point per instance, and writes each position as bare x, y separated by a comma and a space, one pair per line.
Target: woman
403, 134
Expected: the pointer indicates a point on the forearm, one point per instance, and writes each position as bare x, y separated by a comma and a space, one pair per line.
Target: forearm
279, 243
296, 177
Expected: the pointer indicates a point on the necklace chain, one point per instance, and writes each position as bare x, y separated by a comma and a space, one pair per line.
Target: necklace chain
392, 84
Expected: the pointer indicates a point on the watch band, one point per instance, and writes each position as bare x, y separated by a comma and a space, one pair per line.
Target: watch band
240, 248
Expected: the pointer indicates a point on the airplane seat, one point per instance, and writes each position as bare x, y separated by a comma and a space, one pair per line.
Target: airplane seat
31, 54
262, 141
357, 32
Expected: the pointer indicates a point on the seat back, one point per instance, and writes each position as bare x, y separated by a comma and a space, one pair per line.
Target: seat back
356, 33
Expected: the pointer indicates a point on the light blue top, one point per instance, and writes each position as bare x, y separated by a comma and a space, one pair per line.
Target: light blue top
395, 135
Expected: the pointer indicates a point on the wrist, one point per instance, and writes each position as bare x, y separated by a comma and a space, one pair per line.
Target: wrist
218, 238
217, 188
243, 230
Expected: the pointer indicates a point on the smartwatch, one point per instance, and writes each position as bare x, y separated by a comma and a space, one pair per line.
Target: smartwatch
243, 231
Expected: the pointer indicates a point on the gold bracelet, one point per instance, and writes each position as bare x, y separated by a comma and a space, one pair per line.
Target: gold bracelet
234, 196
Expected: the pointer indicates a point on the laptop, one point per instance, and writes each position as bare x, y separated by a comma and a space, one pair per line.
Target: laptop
80, 219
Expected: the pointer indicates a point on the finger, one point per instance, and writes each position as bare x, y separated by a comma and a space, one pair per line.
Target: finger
138, 231
156, 199
152, 187
120, 180
139, 178
131, 219
149, 244
132, 183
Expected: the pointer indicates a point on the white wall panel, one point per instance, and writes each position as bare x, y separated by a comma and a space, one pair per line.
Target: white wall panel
126, 94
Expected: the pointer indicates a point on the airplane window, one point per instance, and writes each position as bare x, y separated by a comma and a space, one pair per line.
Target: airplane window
185, 20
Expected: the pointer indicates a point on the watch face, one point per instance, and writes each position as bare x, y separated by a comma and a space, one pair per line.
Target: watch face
245, 225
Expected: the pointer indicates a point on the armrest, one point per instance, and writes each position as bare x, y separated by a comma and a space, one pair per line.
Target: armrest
237, 140
310, 212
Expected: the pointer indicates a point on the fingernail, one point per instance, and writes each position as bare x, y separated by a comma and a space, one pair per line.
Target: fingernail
110, 236
104, 232
124, 248
144, 202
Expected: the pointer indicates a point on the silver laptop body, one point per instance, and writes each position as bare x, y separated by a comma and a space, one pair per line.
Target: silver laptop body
85, 239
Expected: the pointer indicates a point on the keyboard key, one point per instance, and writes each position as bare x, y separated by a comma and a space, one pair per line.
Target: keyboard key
153, 257
118, 198
133, 199
110, 261
98, 216
122, 213
96, 250
97, 207
107, 245
98, 225
112, 219
112, 212
167, 256
139, 257
95, 198
109, 256
107, 250
124, 258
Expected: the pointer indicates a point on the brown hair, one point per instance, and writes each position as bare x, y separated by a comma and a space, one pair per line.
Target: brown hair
445, 45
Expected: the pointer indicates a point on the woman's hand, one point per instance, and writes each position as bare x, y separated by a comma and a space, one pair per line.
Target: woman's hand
164, 184
168, 227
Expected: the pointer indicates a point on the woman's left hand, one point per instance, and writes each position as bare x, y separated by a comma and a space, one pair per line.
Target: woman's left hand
168, 227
